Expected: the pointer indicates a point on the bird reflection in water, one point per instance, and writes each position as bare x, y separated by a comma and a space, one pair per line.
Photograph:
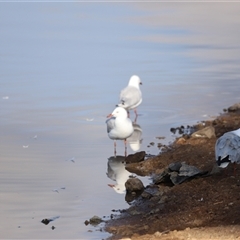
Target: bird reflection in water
135, 140
117, 172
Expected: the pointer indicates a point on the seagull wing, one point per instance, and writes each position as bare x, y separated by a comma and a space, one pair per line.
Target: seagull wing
130, 96
228, 145
110, 124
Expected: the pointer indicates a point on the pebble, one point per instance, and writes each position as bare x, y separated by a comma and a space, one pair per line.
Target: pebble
95, 220
134, 185
207, 132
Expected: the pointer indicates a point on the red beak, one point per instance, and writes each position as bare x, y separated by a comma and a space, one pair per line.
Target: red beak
109, 115
111, 185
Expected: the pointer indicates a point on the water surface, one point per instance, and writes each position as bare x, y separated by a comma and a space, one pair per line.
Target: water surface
62, 66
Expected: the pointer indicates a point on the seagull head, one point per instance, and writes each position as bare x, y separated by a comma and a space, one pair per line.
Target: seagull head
135, 81
118, 112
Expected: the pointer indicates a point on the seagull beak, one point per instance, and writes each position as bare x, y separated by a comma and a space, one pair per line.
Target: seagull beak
109, 115
111, 185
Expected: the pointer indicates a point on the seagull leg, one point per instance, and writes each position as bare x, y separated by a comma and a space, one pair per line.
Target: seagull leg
135, 120
135, 110
125, 144
115, 148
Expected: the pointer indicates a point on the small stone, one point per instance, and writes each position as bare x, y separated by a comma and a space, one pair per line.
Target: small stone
86, 222
175, 167
207, 132
134, 185
173, 130
46, 221
95, 220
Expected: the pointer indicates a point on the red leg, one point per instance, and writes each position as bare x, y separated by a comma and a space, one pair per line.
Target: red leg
115, 148
135, 110
125, 144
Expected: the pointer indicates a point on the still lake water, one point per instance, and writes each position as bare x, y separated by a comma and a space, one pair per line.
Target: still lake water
62, 68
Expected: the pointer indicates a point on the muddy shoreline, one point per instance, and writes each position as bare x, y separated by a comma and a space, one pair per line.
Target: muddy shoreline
202, 207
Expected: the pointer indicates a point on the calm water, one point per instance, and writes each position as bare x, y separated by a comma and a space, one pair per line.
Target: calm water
62, 66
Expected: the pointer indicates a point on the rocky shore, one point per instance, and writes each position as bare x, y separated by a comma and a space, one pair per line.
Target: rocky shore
190, 197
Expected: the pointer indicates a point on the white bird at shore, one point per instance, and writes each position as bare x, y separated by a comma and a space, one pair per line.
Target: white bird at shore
227, 148
131, 96
119, 126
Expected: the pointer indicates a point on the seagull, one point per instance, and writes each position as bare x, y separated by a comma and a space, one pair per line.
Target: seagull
227, 149
119, 126
131, 96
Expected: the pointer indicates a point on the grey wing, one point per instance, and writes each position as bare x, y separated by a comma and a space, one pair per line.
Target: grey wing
130, 96
228, 145
110, 124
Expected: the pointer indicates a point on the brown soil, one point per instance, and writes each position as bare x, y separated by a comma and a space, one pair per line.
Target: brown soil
202, 208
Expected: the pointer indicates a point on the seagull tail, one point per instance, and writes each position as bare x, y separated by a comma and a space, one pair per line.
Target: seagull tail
224, 160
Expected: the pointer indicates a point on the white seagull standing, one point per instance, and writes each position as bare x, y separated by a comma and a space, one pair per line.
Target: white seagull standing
227, 149
119, 127
131, 96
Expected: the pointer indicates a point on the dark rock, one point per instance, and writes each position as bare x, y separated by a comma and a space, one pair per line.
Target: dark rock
95, 220
163, 177
173, 130
46, 221
134, 188
86, 222
137, 157
177, 173
176, 179
175, 166
134, 185
188, 171
182, 130
234, 107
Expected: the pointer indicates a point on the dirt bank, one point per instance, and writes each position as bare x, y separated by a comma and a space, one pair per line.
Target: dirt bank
205, 207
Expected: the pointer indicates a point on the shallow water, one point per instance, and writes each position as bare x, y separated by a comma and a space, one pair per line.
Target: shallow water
62, 67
